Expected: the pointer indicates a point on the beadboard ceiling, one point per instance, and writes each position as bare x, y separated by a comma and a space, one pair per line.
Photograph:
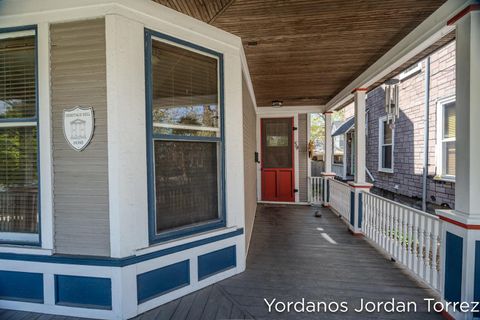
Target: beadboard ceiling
303, 52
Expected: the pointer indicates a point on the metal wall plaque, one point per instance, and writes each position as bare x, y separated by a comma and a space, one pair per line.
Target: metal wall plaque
78, 126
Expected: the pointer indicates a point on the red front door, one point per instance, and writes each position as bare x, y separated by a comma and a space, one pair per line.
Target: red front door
277, 159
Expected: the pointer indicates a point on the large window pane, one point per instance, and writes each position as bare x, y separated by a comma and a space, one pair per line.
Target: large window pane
449, 120
387, 157
17, 77
18, 180
387, 133
449, 148
185, 92
186, 183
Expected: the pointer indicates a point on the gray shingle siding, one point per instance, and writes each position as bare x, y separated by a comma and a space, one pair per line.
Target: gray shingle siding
409, 131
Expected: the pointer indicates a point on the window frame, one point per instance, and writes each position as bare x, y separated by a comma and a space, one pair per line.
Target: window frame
440, 150
189, 230
21, 238
381, 144
342, 163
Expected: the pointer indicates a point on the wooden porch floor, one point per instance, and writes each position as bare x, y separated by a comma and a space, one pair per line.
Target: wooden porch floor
290, 259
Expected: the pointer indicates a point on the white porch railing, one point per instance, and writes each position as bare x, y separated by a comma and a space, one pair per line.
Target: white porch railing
315, 190
410, 236
340, 198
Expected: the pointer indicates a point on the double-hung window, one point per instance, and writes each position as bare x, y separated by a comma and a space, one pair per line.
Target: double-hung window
19, 180
184, 136
386, 136
446, 137
338, 149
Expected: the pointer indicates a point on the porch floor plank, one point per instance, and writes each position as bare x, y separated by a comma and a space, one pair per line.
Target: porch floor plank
289, 259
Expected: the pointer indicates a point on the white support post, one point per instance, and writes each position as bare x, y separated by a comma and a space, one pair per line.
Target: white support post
328, 146
360, 136
360, 184
327, 156
309, 160
461, 227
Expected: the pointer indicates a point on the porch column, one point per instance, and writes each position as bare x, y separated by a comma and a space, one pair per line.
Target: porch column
327, 158
359, 183
460, 251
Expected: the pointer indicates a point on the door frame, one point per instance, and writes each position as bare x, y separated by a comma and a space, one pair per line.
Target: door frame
279, 115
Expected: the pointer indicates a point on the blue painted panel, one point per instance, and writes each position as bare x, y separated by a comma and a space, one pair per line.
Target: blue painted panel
161, 281
453, 267
360, 209
21, 286
117, 262
83, 292
216, 261
476, 285
328, 191
352, 208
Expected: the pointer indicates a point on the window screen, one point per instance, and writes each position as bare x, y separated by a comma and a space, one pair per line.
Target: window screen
277, 143
187, 183
186, 138
18, 138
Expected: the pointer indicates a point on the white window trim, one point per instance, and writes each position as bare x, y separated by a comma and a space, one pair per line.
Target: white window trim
439, 154
381, 144
333, 150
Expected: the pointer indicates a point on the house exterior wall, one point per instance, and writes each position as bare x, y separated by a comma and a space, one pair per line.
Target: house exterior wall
105, 185
406, 180
250, 167
81, 210
302, 157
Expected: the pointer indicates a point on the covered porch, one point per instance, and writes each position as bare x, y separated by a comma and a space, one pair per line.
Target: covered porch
293, 256
195, 199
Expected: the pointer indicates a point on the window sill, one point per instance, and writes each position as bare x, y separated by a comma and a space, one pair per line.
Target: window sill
187, 239
444, 179
385, 170
24, 249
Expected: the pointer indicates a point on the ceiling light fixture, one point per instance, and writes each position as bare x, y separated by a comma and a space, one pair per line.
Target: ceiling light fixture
277, 103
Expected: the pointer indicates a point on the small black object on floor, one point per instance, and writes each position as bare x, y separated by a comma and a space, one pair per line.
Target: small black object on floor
318, 214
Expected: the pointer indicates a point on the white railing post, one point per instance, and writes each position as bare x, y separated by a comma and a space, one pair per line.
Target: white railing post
315, 190
327, 177
356, 207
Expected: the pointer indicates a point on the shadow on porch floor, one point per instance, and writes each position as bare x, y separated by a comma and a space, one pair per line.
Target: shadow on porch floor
294, 255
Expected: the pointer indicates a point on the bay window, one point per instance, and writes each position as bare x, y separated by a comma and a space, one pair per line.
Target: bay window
19, 180
386, 145
446, 137
185, 137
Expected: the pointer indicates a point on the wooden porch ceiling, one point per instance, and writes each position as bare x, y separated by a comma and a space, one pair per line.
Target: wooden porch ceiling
303, 52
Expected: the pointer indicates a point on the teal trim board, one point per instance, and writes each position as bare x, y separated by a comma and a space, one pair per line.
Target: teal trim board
352, 208
476, 284
21, 286
163, 280
216, 261
83, 292
117, 262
